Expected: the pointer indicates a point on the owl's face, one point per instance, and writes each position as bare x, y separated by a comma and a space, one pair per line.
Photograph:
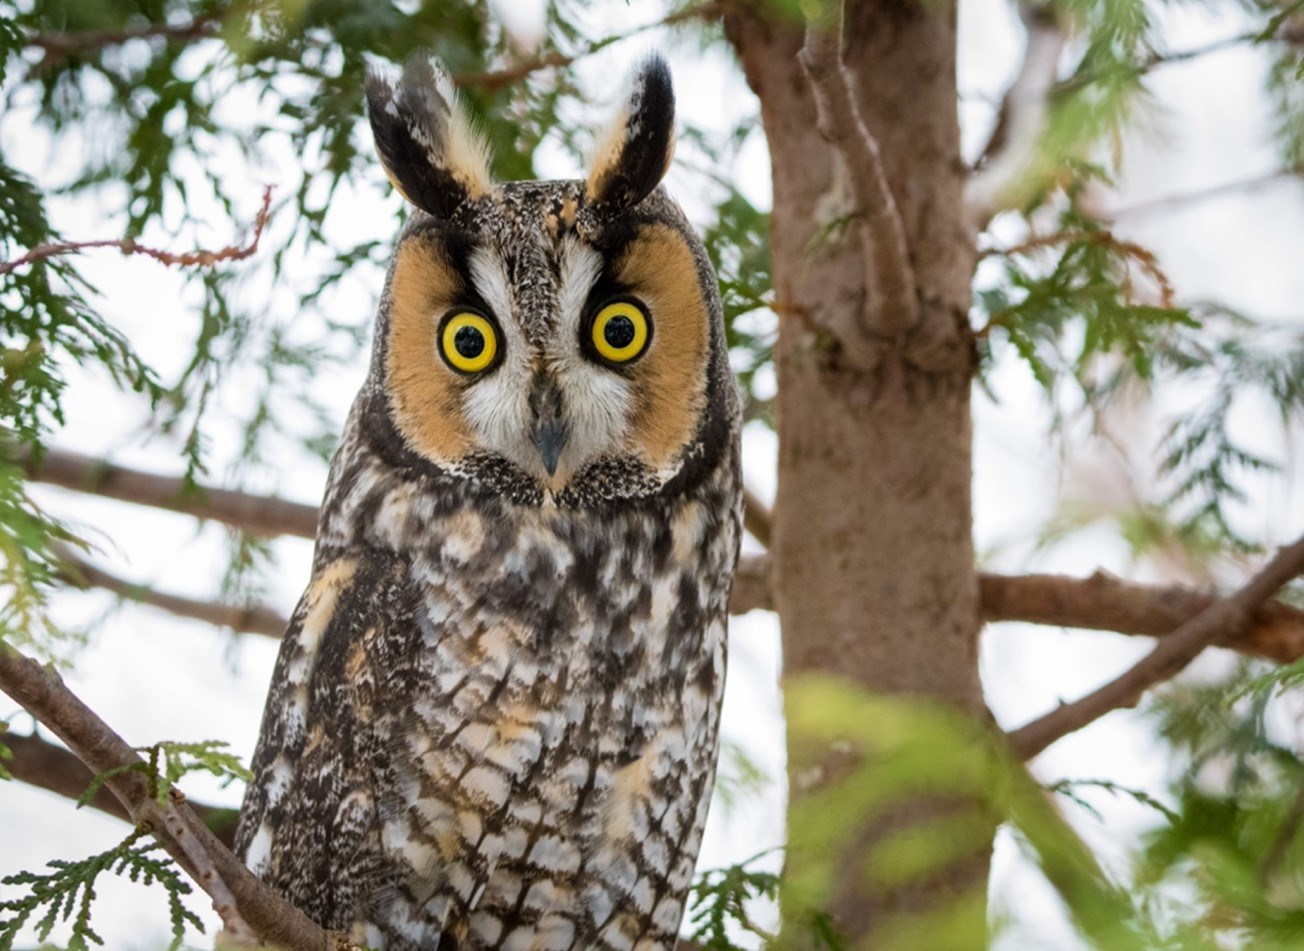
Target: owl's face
565, 335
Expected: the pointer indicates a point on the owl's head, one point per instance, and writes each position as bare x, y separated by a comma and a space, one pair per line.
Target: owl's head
554, 340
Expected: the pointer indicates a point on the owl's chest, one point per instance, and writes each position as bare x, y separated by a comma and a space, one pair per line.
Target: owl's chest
558, 724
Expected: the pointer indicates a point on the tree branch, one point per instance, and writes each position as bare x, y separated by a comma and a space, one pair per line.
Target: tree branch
52, 768
257, 515
211, 864
756, 517
82, 41
200, 258
1016, 136
751, 585
494, 80
888, 272
1103, 602
1220, 621
253, 619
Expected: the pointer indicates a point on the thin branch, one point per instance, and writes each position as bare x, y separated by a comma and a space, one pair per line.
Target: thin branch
1278, 27
756, 517
199, 258
1170, 202
57, 45
1220, 621
494, 80
47, 766
44, 695
1130, 250
1104, 602
887, 256
1016, 137
257, 515
252, 619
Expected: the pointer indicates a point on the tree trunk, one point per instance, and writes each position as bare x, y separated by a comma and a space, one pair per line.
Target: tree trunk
874, 575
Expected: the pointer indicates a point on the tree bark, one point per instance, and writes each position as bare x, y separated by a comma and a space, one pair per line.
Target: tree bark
873, 564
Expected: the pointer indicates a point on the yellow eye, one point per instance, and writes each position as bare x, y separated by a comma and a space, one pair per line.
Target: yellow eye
468, 342
620, 331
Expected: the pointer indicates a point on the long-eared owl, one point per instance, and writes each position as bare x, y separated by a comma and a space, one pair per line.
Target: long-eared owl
493, 720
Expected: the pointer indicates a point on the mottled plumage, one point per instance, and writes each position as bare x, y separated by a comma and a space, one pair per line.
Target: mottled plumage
493, 720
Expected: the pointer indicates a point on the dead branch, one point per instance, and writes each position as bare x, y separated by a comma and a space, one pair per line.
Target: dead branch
1223, 620
1181, 199
57, 46
1130, 251
1103, 602
128, 246
44, 695
1019, 124
251, 619
494, 80
257, 515
887, 256
756, 517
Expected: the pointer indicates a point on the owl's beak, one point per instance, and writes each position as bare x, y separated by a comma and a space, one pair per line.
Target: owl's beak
549, 431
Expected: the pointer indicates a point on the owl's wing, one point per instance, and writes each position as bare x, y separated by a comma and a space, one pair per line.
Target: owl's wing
309, 824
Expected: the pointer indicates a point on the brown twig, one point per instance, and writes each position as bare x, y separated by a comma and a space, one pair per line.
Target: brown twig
887, 256
44, 695
62, 43
1223, 620
1144, 257
1016, 136
251, 619
493, 80
199, 258
258, 515
1169, 202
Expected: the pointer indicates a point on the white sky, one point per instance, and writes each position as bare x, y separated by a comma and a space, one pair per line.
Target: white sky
156, 677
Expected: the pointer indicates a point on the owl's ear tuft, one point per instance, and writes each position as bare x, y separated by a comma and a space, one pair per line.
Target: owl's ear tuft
634, 153
428, 145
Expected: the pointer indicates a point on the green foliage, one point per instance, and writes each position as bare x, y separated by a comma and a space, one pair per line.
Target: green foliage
885, 758
168, 761
719, 900
67, 891
1233, 846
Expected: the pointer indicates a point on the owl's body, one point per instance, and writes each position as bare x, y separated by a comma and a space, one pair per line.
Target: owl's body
493, 723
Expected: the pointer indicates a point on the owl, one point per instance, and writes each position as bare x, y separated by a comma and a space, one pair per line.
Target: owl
493, 719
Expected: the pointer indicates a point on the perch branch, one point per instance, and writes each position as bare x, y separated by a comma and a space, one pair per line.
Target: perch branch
253, 619
1022, 117
887, 256
258, 515
44, 695
1222, 620
200, 258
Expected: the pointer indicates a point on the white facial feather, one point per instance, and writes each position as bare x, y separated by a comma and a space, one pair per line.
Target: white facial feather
596, 400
